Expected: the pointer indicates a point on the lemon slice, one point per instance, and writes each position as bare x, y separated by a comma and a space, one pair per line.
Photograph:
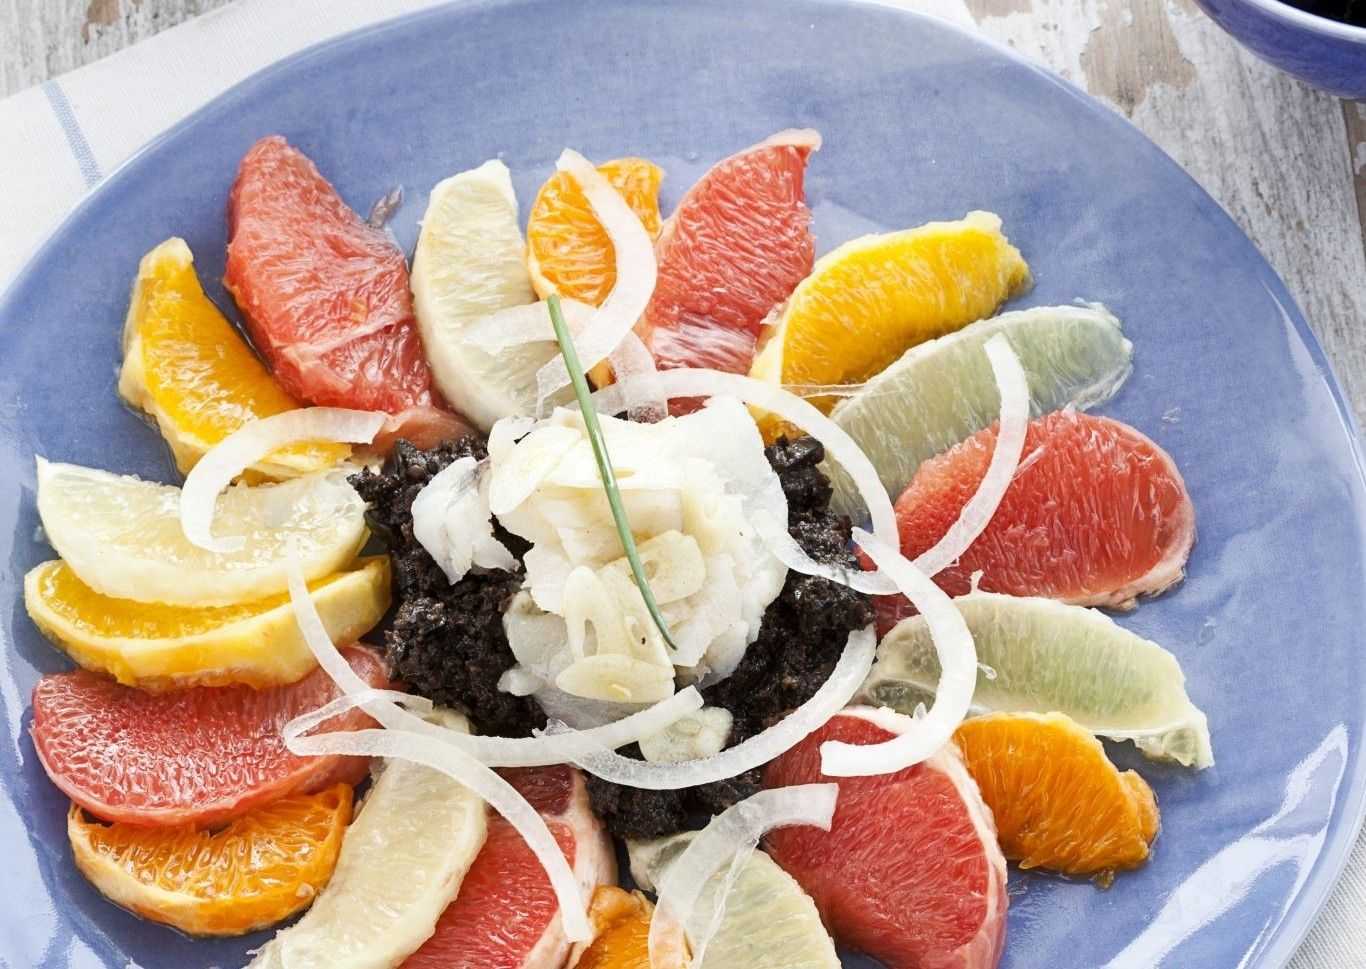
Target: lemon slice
121, 535
768, 921
470, 263
1042, 656
871, 299
155, 646
941, 392
401, 864
185, 366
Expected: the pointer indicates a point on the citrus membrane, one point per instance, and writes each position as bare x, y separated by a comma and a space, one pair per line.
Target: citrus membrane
122, 536
1039, 655
940, 392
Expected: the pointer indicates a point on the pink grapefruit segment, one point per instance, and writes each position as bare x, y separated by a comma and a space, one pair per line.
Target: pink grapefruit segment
737, 246
1097, 515
910, 872
325, 295
506, 915
198, 756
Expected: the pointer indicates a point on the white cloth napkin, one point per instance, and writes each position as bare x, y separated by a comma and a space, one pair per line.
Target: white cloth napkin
63, 136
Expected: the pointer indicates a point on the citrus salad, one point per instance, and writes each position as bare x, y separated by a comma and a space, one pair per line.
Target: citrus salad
781, 571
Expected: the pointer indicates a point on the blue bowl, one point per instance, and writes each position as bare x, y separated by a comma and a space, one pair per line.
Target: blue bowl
1322, 52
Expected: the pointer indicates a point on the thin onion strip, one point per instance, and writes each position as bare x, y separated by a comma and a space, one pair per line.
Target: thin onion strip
844, 682
957, 682
1013, 386
728, 840
636, 271
249, 444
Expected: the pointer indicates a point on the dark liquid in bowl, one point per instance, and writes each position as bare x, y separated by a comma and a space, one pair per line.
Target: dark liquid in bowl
1346, 11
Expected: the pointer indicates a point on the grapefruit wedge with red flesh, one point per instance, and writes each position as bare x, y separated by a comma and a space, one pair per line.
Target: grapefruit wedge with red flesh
506, 916
737, 246
325, 296
909, 872
198, 756
1096, 515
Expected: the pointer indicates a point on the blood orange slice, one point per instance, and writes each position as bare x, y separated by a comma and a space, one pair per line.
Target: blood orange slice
909, 872
736, 247
197, 756
506, 916
325, 295
1096, 515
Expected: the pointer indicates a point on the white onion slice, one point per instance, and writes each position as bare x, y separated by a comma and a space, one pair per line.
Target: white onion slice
499, 794
305, 722
636, 271
839, 447
633, 368
1013, 386
728, 840
249, 444
957, 658
848, 675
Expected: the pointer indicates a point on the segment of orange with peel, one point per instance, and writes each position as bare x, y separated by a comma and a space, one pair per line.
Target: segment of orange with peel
872, 299
262, 868
568, 251
1058, 801
188, 369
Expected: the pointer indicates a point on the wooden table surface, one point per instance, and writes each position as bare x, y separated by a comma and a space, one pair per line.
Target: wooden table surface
1288, 163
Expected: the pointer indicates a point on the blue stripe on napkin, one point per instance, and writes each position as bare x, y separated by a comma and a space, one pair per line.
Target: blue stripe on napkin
75, 137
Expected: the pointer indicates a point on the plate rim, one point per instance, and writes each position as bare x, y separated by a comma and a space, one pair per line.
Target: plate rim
1306, 906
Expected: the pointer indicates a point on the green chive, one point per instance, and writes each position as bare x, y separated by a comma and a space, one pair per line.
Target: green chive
609, 477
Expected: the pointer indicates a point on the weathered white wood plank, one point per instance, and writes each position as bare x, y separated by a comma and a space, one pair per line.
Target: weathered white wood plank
1272, 151
40, 39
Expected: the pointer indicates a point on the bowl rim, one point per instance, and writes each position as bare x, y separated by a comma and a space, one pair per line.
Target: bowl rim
1281, 10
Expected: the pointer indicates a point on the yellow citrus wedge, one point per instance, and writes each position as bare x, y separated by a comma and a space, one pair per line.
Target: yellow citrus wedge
1059, 803
122, 535
568, 251
186, 367
262, 868
158, 647
871, 299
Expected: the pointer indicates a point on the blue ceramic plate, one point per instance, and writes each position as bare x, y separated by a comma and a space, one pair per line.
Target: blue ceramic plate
921, 121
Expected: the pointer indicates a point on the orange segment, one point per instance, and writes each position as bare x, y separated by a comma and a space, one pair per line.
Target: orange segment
1059, 802
872, 299
621, 921
262, 868
185, 365
568, 251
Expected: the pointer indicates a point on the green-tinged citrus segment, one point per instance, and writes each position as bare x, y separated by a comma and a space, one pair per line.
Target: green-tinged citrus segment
768, 921
940, 392
122, 535
155, 646
1039, 655
470, 262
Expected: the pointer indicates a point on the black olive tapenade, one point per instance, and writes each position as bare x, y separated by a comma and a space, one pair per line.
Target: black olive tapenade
447, 642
